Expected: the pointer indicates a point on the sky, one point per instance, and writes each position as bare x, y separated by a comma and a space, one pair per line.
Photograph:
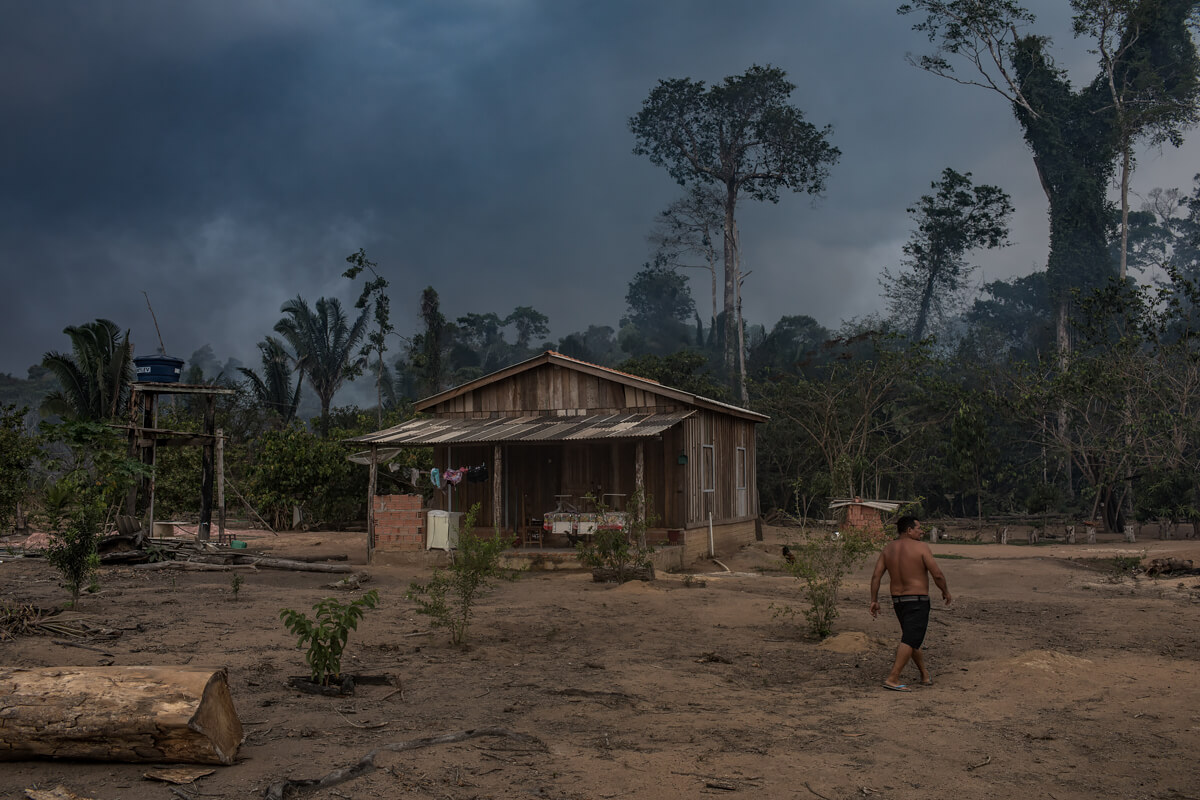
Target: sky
225, 156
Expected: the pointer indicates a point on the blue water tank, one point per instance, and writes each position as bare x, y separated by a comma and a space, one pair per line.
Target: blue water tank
158, 368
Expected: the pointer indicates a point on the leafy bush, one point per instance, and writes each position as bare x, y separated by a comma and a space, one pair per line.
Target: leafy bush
614, 551
17, 452
326, 635
449, 597
293, 467
93, 476
821, 562
619, 552
73, 538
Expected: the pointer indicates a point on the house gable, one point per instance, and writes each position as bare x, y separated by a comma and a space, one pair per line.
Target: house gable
557, 385
554, 390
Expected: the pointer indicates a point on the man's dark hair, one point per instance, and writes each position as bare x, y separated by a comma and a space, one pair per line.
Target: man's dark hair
904, 525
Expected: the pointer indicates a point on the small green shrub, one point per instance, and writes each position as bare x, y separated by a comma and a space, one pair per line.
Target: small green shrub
449, 597
74, 518
235, 584
821, 562
1121, 567
620, 552
18, 450
92, 474
326, 635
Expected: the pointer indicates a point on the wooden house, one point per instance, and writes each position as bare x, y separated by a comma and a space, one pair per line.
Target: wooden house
554, 430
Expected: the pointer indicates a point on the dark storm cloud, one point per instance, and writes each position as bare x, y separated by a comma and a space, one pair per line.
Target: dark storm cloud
226, 156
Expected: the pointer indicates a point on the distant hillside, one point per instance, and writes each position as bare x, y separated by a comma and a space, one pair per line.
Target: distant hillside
28, 391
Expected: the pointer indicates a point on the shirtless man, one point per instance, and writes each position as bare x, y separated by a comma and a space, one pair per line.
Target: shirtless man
907, 560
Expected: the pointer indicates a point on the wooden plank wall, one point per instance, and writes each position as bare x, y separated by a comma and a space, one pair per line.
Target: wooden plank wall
726, 434
534, 474
552, 389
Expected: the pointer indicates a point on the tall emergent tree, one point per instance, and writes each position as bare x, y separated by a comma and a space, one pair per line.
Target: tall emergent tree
1153, 91
529, 324
426, 348
688, 229
958, 218
94, 378
374, 294
743, 137
326, 346
1075, 135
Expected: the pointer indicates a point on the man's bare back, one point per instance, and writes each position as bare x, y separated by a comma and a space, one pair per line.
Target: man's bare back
908, 564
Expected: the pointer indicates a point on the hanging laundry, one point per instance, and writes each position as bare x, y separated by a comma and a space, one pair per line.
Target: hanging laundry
435, 477
478, 474
454, 476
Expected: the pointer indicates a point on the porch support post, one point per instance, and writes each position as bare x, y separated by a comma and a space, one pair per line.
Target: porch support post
639, 492
497, 490
374, 474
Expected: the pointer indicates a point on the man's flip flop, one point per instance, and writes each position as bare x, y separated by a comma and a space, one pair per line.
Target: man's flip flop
900, 688
927, 683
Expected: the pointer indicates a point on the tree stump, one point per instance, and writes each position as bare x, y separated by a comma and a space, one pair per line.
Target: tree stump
1002, 535
1091, 534
933, 535
1033, 536
1070, 534
1129, 536
139, 714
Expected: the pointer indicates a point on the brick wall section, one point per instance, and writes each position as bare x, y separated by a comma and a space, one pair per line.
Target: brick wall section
864, 518
399, 522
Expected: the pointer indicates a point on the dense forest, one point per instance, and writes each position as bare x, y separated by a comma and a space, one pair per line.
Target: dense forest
1068, 392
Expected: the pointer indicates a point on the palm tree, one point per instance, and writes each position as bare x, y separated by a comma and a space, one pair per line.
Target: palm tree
95, 377
326, 346
274, 390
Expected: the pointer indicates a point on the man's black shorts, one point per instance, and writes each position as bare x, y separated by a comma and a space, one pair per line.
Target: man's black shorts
913, 612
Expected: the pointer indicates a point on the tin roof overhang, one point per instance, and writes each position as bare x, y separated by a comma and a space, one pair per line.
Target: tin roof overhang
524, 430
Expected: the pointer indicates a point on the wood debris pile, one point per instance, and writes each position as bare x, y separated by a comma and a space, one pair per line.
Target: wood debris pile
1171, 566
25, 619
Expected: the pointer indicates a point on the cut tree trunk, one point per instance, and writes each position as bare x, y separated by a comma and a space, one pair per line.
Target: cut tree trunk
139, 714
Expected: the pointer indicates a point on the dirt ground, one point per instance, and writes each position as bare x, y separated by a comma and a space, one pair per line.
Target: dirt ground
1051, 679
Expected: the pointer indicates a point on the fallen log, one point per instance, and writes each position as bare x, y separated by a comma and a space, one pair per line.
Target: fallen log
313, 559
139, 714
287, 563
195, 566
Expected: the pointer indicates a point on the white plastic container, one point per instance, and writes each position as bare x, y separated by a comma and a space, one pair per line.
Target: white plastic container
441, 529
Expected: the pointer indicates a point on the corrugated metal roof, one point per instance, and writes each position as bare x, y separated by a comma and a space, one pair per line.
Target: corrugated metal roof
442, 430
878, 505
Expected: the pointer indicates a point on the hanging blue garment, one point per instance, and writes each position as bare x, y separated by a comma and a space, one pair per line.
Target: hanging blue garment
435, 478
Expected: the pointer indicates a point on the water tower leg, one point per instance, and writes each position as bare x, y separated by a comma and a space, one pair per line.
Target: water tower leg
207, 467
